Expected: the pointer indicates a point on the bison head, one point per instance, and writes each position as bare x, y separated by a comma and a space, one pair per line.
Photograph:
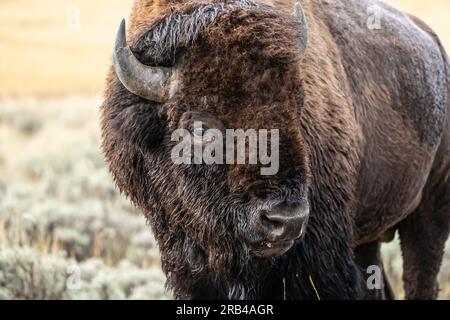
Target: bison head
233, 65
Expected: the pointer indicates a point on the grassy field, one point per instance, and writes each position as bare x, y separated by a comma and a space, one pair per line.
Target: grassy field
44, 51
65, 231
60, 212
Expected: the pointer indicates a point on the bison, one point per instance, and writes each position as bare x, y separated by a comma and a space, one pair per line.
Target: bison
359, 93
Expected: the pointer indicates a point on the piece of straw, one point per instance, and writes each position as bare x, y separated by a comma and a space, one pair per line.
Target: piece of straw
314, 287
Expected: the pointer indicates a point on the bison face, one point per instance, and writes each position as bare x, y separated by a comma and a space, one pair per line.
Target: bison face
242, 71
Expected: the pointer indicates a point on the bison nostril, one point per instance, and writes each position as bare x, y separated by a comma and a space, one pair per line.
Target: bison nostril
265, 219
282, 222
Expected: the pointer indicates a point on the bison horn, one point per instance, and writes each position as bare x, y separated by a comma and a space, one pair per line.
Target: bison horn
152, 83
300, 15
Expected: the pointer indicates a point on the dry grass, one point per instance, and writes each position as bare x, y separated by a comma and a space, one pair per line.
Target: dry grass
59, 208
41, 56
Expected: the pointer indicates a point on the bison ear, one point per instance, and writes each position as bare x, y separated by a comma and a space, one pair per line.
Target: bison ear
303, 25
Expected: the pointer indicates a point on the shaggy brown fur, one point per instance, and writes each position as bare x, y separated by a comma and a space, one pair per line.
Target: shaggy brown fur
364, 135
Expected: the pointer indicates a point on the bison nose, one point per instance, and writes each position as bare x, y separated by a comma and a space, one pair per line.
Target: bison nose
284, 222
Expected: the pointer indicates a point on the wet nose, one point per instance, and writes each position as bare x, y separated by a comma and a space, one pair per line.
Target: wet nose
284, 222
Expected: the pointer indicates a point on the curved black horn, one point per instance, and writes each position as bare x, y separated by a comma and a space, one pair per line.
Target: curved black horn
303, 24
152, 83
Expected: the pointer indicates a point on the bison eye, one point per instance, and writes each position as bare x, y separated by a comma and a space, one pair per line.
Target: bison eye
202, 136
199, 132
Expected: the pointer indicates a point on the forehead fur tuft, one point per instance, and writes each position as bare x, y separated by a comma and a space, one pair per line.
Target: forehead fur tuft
158, 45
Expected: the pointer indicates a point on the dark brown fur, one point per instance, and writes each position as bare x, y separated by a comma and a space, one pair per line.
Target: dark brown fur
364, 134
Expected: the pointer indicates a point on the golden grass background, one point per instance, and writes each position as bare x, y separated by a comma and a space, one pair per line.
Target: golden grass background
59, 209
40, 56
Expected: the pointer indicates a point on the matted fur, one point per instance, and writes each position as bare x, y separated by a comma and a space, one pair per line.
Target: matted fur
352, 142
